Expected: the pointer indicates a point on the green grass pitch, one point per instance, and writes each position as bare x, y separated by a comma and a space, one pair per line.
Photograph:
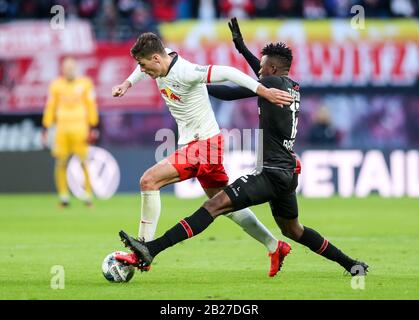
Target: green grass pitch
221, 263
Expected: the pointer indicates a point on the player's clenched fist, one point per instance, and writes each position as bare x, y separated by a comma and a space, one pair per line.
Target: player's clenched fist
120, 90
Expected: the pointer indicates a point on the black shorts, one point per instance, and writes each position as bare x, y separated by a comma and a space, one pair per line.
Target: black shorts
270, 185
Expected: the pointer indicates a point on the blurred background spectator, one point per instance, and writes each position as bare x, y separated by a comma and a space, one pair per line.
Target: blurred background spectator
124, 19
322, 133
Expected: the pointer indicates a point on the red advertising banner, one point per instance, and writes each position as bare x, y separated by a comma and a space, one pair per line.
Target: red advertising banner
326, 54
28, 38
27, 82
328, 64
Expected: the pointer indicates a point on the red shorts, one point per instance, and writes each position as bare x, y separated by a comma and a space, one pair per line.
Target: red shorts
203, 160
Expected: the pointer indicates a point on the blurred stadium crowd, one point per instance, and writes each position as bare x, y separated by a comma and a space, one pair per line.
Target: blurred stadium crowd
122, 19
359, 84
349, 115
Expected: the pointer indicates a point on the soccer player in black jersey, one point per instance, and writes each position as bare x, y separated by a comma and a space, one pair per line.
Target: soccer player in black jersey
274, 181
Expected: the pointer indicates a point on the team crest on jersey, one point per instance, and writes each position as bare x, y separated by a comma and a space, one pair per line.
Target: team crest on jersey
169, 94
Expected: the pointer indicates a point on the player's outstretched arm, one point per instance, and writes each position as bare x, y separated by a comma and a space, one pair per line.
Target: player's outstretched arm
253, 62
136, 76
224, 73
229, 93
48, 116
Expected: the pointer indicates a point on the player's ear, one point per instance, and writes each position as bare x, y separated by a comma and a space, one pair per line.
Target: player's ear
155, 58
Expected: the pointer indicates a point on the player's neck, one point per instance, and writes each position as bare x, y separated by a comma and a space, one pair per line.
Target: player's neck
167, 60
69, 79
281, 73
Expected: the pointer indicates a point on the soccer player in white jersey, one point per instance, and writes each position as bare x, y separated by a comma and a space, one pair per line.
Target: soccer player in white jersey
182, 86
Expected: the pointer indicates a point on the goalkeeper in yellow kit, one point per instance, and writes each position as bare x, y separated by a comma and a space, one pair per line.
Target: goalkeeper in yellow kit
71, 107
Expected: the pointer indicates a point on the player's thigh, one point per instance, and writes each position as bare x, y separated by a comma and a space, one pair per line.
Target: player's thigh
77, 144
285, 206
211, 192
61, 148
185, 168
81, 150
61, 161
212, 177
160, 175
249, 190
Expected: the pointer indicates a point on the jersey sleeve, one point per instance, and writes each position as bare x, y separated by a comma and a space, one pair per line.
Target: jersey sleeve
214, 73
136, 76
194, 73
225, 73
90, 101
251, 59
48, 117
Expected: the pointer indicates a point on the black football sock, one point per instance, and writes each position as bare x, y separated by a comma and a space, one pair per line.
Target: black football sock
186, 228
312, 239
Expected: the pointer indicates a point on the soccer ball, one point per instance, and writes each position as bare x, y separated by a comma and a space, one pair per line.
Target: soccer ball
115, 271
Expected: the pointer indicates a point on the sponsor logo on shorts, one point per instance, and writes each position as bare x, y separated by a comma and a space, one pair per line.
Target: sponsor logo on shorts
235, 190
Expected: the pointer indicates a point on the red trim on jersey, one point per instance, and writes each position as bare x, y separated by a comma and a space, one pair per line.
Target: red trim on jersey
187, 228
209, 74
323, 247
297, 168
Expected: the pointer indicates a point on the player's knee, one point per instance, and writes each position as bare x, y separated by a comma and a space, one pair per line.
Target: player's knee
148, 182
60, 162
83, 164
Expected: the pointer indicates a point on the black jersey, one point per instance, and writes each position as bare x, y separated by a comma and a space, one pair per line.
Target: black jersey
278, 124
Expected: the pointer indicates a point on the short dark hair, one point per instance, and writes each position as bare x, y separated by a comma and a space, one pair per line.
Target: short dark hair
147, 44
279, 51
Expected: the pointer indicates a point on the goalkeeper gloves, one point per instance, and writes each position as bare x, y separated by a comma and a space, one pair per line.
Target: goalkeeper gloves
237, 36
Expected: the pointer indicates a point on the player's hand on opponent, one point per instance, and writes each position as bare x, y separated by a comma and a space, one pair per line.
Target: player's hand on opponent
276, 96
235, 32
120, 90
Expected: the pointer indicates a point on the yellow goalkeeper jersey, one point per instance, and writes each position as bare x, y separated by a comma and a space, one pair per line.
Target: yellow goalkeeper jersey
71, 106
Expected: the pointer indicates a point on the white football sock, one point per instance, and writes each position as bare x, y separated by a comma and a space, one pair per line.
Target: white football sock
150, 214
246, 219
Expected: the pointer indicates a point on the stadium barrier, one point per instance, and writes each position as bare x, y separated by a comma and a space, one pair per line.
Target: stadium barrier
347, 173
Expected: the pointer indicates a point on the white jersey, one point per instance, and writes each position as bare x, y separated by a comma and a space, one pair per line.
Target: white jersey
186, 95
